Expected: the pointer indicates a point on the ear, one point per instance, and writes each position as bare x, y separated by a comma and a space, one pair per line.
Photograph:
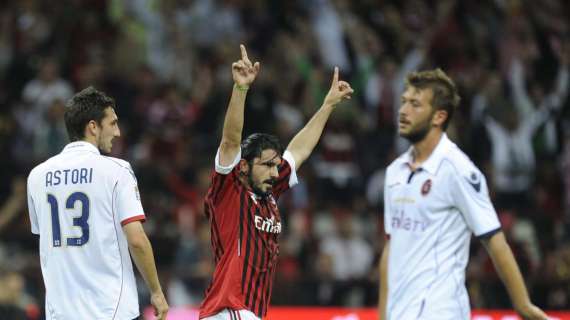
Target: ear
439, 118
243, 167
91, 129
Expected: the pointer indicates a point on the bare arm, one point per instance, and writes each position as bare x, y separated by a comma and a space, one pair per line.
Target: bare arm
243, 73
383, 298
305, 141
142, 254
15, 203
509, 272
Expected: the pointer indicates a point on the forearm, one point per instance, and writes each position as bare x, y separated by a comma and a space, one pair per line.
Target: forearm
10, 209
233, 122
144, 260
516, 81
508, 271
383, 297
305, 140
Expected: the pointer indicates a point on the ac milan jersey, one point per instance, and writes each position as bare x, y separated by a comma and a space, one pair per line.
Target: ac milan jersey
244, 236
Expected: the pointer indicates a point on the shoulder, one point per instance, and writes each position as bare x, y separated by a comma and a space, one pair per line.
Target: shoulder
38, 170
457, 164
458, 161
117, 166
395, 165
117, 163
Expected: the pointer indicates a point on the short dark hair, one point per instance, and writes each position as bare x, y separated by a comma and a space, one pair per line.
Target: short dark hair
445, 95
256, 143
86, 105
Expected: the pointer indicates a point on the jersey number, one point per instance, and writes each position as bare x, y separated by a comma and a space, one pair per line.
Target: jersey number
80, 221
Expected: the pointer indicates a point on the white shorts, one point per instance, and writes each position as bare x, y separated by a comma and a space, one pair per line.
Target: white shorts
229, 314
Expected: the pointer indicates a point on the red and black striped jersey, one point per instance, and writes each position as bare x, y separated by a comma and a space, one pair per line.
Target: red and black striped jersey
245, 230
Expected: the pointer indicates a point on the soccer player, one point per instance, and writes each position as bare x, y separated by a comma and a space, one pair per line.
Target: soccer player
248, 179
86, 208
435, 198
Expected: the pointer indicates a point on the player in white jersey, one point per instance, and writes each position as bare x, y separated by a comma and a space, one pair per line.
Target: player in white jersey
435, 198
87, 211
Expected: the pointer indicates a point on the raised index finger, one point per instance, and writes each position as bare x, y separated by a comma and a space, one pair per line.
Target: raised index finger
243, 53
335, 76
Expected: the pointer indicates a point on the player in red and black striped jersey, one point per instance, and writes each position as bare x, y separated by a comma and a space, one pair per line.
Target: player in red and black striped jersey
241, 203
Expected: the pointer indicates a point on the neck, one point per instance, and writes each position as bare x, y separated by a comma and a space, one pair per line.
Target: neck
423, 149
91, 140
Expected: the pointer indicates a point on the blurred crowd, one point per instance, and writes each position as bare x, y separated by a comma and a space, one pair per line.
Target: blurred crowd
167, 64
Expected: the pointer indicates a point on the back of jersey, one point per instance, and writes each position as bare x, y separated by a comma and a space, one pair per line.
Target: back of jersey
78, 201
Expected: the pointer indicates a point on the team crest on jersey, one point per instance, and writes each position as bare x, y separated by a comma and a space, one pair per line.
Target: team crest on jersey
426, 187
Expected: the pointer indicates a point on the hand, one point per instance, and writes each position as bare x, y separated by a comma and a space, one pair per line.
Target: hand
532, 312
339, 90
160, 305
243, 71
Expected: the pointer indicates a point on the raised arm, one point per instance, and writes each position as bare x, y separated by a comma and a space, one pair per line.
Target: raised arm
305, 141
522, 101
509, 272
244, 73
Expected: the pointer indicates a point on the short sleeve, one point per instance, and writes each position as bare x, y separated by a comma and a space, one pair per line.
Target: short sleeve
288, 157
128, 204
287, 175
225, 170
32, 208
471, 196
387, 214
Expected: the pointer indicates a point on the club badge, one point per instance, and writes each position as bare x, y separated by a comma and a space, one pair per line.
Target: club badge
426, 187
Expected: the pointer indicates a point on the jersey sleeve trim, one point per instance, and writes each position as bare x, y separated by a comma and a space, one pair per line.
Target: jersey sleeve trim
140, 218
288, 156
227, 169
489, 234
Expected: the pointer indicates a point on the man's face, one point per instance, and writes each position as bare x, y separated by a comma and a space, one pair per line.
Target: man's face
108, 130
263, 172
416, 114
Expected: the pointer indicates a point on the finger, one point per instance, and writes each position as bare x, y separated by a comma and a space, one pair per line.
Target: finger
244, 53
240, 65
256, 67
335, 76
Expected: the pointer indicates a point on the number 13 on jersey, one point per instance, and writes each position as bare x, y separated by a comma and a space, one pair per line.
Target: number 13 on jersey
78, 221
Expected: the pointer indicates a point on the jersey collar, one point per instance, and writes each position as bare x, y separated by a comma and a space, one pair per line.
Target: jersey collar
438, 154
80, 146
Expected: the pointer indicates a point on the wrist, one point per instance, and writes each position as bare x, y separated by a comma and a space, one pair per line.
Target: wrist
523, 308
157, 292
328, 105
241, 87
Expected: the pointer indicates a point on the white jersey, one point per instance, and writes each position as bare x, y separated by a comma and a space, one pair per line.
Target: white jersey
78, 201
429, 216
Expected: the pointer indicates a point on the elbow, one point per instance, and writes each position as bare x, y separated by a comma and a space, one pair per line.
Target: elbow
230, 143
138, 242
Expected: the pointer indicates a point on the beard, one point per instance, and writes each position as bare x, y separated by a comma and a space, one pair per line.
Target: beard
257, 190
418, 133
